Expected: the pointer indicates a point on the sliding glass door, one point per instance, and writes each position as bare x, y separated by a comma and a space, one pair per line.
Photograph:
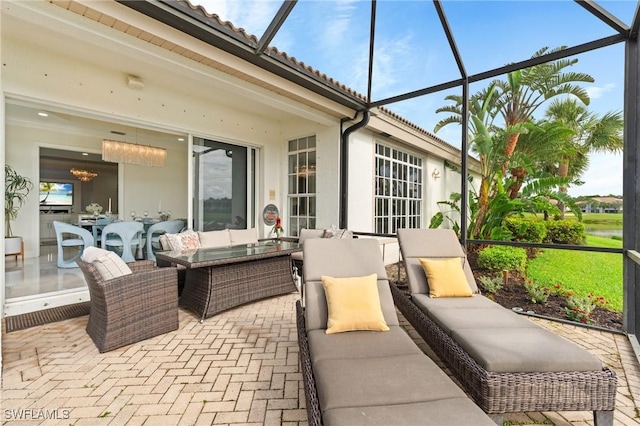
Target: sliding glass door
223, 185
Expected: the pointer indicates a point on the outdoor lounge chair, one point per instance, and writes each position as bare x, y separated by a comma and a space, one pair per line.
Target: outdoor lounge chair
366, 377
133, 307
506, 362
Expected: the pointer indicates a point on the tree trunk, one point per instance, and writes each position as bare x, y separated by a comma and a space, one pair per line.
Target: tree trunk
483, 206
563, 171
512, 141
518, 174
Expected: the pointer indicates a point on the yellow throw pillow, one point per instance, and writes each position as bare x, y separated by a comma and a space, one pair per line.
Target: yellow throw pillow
446, 278
353, 304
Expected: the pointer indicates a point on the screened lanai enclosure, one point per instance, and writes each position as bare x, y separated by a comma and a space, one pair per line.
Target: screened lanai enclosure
511, 83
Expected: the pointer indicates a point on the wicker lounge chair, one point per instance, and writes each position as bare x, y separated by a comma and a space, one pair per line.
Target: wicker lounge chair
365, 377
133, 307
504, 361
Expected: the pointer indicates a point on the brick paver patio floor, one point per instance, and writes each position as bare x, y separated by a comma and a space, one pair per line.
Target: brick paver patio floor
238, 367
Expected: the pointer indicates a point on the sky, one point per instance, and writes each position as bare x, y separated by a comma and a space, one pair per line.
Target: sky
411, 51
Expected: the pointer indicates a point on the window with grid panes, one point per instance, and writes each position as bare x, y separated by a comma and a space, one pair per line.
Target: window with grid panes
302, 184
398, 192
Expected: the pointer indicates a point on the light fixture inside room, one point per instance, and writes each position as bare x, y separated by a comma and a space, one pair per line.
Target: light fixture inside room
83, 175
130, 153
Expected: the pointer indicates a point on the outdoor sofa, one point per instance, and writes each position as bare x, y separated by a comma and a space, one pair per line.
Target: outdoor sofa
362, 376
503, 360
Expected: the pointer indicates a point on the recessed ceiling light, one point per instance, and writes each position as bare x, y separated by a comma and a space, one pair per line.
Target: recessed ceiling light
43, 114
85, 153
181, 139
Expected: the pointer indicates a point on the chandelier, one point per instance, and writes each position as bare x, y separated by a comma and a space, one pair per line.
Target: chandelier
130, 153
83, 175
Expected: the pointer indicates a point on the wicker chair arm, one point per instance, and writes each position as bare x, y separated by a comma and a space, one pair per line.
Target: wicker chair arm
141, 265
147, 281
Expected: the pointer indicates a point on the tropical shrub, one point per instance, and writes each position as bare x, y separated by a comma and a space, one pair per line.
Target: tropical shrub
580, 309
537, 292
529, 230
501, 258
565, 232
491, 285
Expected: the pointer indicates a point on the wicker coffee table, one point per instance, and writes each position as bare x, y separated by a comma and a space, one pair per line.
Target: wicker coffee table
221, 278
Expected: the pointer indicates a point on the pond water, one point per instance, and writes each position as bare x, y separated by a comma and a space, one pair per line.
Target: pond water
604, 232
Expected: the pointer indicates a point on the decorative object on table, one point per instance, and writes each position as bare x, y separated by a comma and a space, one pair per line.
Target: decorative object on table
164, 216
123, 152
278, 230
94, 208
16, 189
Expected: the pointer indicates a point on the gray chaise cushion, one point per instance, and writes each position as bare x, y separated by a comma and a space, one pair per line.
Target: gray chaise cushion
456, 319
455, 411
527, 350
364, 258
360, 344
429, 244
381, 381
476, 302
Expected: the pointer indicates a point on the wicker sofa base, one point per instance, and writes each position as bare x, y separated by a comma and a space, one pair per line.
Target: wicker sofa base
211, 290
313, 405
499, 393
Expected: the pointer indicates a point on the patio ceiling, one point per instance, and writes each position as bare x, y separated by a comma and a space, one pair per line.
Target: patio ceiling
437, 38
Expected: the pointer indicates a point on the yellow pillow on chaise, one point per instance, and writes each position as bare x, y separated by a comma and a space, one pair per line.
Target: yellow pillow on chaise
353, 304
446, 278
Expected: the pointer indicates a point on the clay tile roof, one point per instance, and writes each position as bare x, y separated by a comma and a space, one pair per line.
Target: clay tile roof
272, 51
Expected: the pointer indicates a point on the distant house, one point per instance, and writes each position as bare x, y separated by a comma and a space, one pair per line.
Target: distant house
601, 205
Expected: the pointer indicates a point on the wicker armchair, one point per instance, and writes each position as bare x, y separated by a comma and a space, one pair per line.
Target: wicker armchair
131, 308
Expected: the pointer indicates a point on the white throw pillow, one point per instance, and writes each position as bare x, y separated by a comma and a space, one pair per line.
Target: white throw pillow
91, 253
108, 264
111, 266
187, 240
214, 238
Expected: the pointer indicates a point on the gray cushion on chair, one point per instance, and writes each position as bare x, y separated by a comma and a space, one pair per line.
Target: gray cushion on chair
327, 257
524, 350
450, 319
361, 344
430, 244
309, 233
398, 376
478, 301
453, 411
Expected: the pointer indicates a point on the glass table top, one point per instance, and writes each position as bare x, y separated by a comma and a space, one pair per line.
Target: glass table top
229, 254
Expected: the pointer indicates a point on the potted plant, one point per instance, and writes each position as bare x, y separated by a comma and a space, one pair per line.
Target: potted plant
16, 189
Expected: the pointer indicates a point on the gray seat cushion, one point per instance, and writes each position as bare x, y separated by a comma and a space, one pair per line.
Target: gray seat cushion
381, 381
478, 301
453, 411
524, 350
451, 319
360, 344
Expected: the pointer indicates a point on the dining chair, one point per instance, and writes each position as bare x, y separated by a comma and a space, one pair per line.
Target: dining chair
98, 227
69, 235
124, 237
157, 229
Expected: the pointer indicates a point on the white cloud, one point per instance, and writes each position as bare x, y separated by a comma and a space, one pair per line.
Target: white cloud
596, 92
252, 15
603, 177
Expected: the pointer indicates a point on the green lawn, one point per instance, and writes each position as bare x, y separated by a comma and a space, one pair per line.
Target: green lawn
582, 272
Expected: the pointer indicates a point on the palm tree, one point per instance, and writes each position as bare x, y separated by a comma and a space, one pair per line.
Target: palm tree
591, 134
46, 187
525, 90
